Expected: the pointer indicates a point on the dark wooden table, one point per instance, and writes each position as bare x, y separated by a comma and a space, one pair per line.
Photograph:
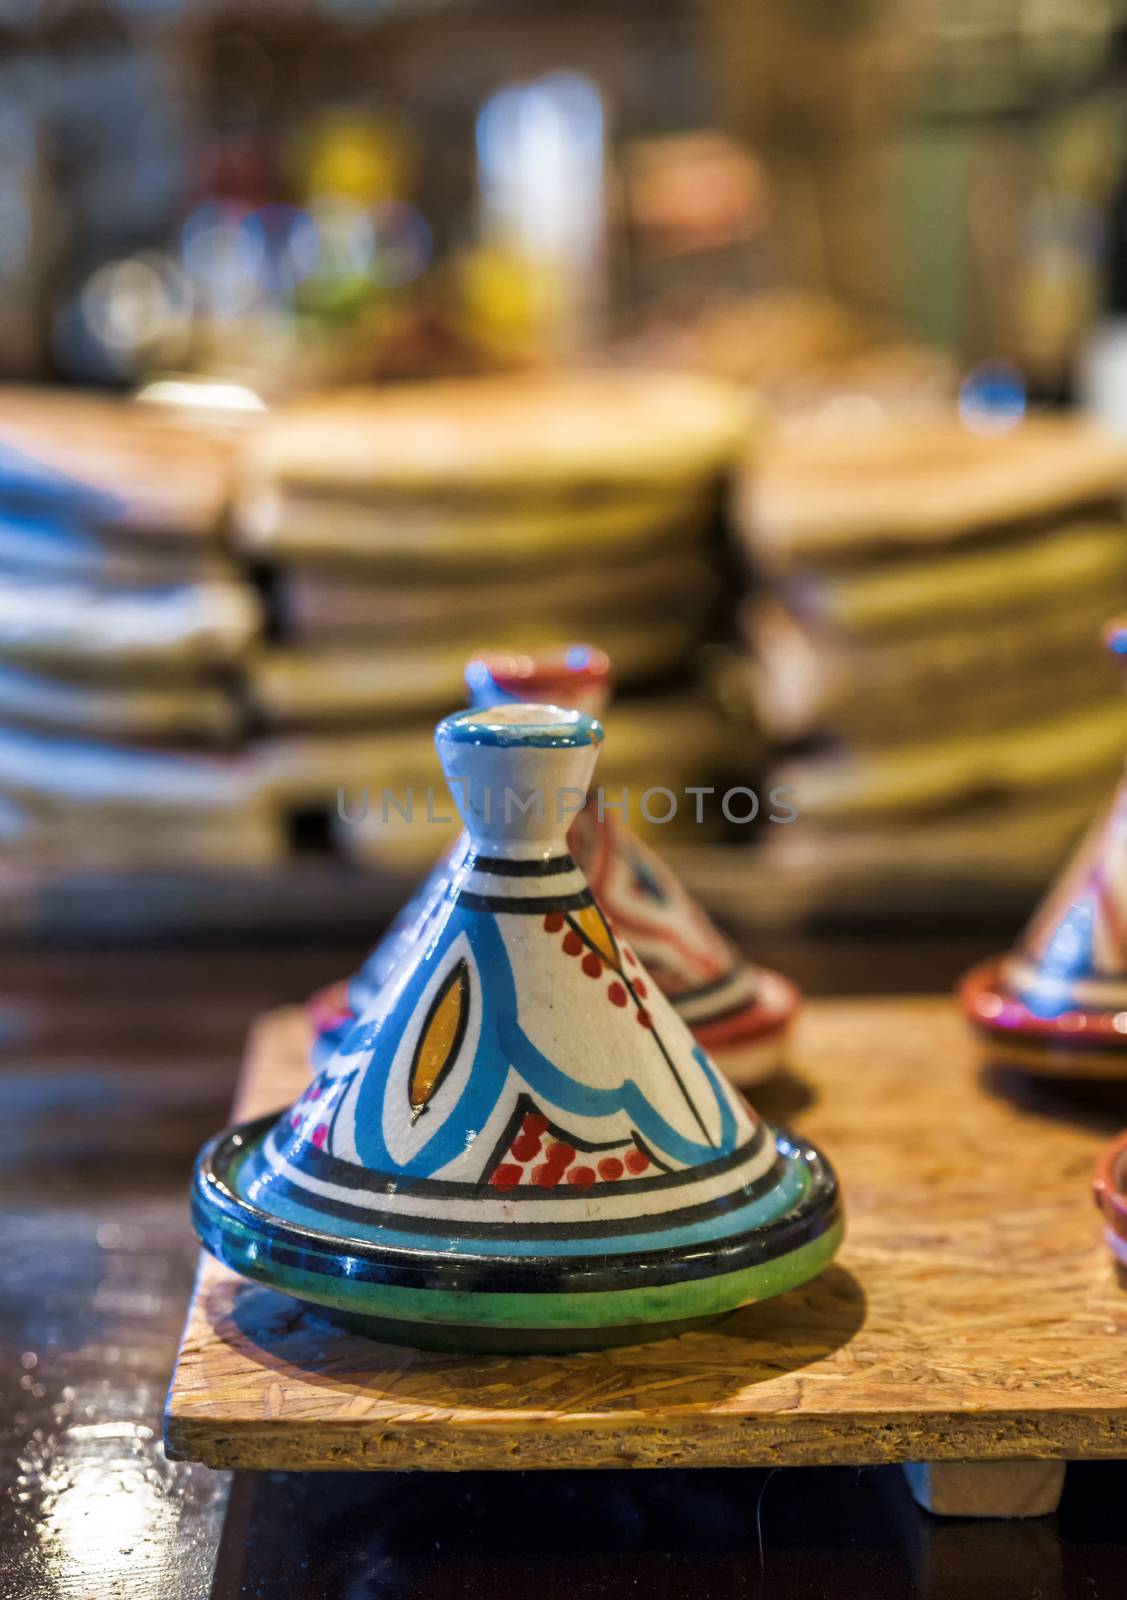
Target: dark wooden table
114, 1066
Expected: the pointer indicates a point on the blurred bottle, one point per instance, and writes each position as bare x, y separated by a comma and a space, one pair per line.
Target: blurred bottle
536, 281
27, 239
1101, 377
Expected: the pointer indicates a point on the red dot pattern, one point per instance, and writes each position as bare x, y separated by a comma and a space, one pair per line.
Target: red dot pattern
301, 1109
560, 1161
525, 1146
593, 965
559, 1158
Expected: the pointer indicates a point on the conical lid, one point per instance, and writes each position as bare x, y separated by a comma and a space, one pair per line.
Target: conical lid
738, 1009
1061, 992
575, 676
519, 1132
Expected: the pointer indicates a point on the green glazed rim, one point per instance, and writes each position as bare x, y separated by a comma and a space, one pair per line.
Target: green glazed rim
410, 1285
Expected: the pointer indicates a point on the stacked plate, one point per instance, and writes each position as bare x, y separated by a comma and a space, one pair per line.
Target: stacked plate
926, 642
400, 529
807, 356
124, 622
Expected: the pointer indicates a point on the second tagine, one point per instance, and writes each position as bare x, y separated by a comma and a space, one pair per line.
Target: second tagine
740, 1011
1057, 1003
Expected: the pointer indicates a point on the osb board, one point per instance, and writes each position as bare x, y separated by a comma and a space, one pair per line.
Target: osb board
973, 1313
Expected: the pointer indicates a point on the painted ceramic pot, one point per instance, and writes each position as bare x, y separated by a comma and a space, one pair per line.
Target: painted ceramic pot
1110, 1186
1057, 1002
519, 1144
739, 1011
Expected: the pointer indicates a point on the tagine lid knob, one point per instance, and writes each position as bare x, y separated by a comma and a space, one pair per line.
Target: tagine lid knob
518, 772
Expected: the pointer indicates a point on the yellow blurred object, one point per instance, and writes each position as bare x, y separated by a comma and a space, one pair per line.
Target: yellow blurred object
1057, 299
353, 157
509, 302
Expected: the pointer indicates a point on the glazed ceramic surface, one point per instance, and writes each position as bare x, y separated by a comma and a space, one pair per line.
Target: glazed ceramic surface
1110, 1187
1057, 1002
742, 1012
518, 1142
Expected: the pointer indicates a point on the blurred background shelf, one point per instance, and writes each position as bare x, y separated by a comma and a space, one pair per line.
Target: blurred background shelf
312, 900
893, 237
876, 228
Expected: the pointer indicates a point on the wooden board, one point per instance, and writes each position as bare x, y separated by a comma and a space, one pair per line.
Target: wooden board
973, 1313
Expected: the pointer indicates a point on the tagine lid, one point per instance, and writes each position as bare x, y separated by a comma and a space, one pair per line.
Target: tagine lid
1063, 987
1064, 984
740, 1009
520, 1110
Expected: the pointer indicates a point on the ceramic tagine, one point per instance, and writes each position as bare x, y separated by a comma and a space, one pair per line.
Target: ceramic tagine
1111, 1199
518, 1144
1057, 1002
740, 1012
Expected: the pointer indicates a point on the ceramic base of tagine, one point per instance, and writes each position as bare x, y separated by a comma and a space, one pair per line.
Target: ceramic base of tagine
741, 1012
518, 1145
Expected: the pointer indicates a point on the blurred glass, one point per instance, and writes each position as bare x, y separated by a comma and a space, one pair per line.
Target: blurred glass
540, 157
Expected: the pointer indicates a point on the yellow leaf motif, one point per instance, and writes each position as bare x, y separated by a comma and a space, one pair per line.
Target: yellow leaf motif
440, 1038
594, 930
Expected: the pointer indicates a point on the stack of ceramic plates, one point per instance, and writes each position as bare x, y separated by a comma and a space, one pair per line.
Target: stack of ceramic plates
926, 642
807, 356
124, 622
399, 529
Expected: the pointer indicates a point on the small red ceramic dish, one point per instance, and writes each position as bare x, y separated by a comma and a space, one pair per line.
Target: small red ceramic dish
1110, 1186
576, 675
1075, 1042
